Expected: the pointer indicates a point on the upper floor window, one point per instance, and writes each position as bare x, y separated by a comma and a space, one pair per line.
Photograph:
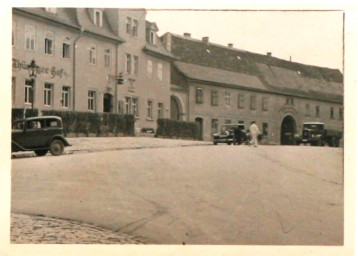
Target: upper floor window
199, 95
149, 68
129, 25
289, 101
135, 65
51, 10
107, 58
227, 98
13, 35
264, 103
66, 50
93, 55
214, 98
49, 43
332, 113
241, 101
152, 37
253, 102
128, 63
98, 18
317, 111
29, 38
308, 110
135, 28
160, 71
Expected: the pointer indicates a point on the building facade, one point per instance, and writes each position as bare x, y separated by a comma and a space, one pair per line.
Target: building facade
215, 85
80, 53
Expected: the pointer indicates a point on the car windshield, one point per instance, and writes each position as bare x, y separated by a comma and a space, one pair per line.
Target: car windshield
227, 128
313, 126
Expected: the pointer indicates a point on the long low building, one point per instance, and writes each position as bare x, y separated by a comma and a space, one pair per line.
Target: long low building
215, 85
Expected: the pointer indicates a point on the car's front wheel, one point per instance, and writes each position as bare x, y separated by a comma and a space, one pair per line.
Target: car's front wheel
57, 147
41, 152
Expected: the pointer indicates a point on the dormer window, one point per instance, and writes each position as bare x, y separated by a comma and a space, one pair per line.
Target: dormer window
208, 51
299, 72
129, 25
152, 39
97, 18
51, 10
238, 57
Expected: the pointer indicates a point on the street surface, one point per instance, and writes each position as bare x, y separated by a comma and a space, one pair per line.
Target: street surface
270, 195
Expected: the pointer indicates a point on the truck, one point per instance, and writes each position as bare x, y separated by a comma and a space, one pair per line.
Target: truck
315, 134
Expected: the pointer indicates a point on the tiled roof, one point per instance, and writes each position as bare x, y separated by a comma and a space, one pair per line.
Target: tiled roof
276, 74
158, 51
208, 74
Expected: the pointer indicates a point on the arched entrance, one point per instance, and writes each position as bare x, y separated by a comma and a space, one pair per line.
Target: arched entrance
175, 108
107, 102
199, 120
288, 129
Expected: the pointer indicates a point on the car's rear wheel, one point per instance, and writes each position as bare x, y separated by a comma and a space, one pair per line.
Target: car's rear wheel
41, 152
57, 147
215, 143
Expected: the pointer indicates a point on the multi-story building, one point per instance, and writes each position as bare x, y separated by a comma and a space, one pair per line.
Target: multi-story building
80, 53
215, 85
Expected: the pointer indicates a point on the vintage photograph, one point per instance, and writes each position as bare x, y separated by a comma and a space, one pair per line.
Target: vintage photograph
177, 127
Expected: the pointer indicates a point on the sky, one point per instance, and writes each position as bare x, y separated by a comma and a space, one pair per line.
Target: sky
309, 37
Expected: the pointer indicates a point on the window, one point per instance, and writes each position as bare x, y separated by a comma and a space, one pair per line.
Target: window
135, 28
28, 91
160, 71
227, 98
135, 65
91, 100
49, 43
241, 101
129, 25
13, 89
93, 55
253, 102
135, 107
98, 18
160, 110
107, 58
317, 111
332, 113
227, 121
152, 39
199, 95
48, 94
308, 110
29, 38
149, 68
289, 101
128, 105
264, 103
13, 36
150, 109
65, 100
214, 125
340, 113
264, 129
66, 50
51, 10
214, 98
128, 63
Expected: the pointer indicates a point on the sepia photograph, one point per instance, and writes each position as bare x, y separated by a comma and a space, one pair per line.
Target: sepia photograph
183, 127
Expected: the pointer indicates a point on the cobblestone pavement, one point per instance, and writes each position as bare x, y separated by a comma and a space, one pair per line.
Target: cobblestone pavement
28, 229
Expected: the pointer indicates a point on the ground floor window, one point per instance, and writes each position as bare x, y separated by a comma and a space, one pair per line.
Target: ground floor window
91, 100
48, 94
214, 125
160, 110
28, 91
132, 106
150, 109
65, 96
341, 114
227, 121
265, 129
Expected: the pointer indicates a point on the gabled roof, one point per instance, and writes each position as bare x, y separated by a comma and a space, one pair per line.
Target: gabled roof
219, 76
275, 74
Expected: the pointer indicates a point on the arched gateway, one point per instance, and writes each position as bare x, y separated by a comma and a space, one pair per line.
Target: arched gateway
288, 129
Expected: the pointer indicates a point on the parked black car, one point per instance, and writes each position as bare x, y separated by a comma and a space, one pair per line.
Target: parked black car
39, 134
316, 134
227, 134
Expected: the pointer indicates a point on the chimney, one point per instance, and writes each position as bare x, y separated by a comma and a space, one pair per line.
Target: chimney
187, 34
230, 45
290, 58
269, 54
205, 39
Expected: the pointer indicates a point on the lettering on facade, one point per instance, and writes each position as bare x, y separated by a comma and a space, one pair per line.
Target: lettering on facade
52, 72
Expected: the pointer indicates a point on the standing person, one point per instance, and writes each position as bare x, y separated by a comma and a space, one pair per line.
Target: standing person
254, 133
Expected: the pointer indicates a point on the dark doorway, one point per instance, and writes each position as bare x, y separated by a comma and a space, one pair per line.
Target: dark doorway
199, 120
107, 103
174, 109
288, 129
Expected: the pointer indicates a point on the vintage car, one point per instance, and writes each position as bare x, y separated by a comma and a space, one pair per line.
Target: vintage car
316, 134
227, 134
39, 134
